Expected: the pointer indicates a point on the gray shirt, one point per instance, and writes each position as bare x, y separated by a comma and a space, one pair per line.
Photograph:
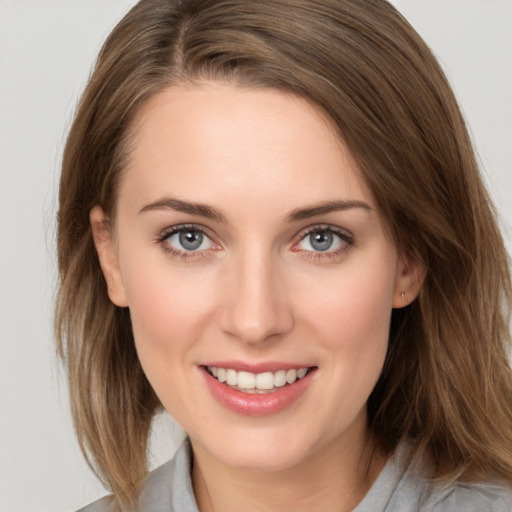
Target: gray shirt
400, 487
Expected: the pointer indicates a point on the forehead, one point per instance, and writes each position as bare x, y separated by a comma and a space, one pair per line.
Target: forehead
215, 141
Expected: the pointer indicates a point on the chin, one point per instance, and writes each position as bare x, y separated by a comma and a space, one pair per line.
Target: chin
265, 450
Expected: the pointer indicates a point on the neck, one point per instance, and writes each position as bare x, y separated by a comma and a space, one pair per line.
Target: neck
333, 479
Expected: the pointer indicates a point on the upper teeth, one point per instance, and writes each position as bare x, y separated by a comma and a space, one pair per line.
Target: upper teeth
264, 381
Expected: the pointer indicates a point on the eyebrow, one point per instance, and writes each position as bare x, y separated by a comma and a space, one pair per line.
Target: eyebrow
198, 209
203, 210
328, 207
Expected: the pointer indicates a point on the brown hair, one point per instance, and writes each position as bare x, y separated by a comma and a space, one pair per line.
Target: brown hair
446, 382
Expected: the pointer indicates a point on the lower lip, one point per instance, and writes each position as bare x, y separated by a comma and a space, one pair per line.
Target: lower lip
255, 404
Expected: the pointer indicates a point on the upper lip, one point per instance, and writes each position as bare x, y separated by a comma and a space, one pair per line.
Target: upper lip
262, 367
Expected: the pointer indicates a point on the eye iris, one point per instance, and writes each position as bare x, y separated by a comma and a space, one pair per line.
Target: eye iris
321, 240
191, 240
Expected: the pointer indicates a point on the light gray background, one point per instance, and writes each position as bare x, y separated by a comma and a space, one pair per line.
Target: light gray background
46, 50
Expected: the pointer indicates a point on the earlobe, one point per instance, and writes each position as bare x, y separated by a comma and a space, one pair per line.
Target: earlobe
107, 256
409, 278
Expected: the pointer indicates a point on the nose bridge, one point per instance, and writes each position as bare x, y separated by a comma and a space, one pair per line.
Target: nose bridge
258, 308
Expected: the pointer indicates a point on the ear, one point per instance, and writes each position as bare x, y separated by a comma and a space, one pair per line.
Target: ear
107, 255
409, 278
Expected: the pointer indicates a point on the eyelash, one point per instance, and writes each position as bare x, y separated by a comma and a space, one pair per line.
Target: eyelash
347, 242
346, 239
185, 255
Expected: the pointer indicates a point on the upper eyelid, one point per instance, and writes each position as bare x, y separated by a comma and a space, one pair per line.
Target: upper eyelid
170, 230
324, 227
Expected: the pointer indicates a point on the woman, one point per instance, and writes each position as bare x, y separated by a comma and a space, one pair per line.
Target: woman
272, 225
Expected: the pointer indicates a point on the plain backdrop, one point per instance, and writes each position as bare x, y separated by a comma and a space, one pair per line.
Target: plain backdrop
47, 48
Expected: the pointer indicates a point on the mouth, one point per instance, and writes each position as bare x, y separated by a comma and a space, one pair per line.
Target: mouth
266, 390
257, 383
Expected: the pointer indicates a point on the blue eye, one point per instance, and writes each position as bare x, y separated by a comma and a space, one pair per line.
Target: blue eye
324, 240
321, 240
188, 239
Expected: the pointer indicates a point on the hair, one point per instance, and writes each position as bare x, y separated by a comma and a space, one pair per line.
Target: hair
446, 383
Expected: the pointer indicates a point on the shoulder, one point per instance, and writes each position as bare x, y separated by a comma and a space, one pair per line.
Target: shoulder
404, 485
168, 488
456, 496
105, 504
478, 497
432, 495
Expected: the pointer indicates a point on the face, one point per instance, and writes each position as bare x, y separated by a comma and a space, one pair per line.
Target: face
248, 248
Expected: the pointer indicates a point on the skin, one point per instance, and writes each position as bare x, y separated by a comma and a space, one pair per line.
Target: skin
256, 290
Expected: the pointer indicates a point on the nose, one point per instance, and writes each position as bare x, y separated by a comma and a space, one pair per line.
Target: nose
256, 309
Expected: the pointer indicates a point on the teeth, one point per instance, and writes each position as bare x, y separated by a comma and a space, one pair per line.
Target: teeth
265, 380
291, 376
246, 380
231, 378
261, 381
280, 378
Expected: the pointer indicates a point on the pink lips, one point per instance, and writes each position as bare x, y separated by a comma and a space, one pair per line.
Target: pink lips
256, 404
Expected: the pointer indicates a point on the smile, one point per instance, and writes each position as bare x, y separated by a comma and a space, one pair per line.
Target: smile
257, 383
257, 393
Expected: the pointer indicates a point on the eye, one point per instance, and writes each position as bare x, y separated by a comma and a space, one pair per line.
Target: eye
320, 241
187, 239
324, 240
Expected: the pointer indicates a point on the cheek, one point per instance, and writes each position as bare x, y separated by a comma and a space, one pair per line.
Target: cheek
167, 322
168, 309
356, 303
351, 320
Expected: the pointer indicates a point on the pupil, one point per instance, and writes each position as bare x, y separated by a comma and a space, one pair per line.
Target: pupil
191, 240
321, 241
